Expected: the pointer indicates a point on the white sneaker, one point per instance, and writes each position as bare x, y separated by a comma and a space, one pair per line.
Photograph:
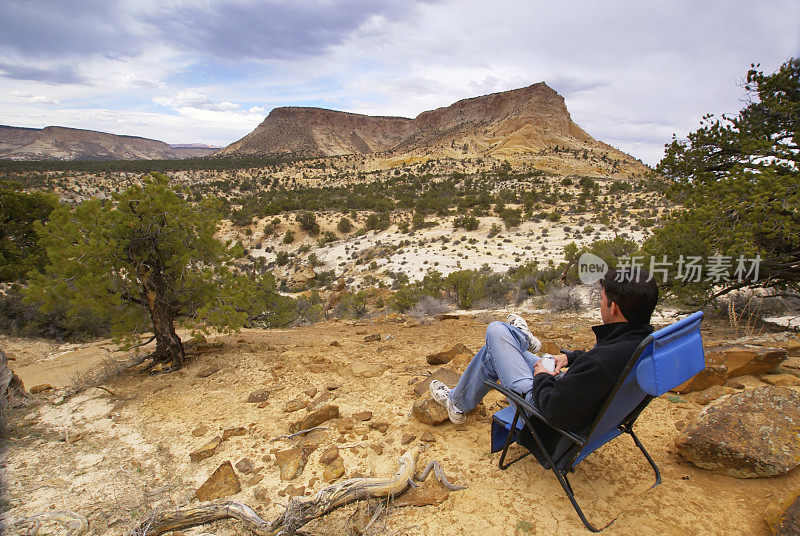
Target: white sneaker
441, 394
534, 344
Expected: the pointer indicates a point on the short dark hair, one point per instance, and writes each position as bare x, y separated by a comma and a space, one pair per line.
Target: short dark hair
634, 292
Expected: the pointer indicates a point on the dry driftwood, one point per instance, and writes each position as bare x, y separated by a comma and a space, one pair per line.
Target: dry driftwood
299, 511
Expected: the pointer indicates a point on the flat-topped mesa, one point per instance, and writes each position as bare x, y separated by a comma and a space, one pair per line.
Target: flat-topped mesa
319, 132
525, 119
62, 143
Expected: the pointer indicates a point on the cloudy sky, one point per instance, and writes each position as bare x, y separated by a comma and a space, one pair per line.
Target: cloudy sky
208, 71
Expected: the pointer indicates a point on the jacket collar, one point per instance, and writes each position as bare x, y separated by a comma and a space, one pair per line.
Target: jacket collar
605, 332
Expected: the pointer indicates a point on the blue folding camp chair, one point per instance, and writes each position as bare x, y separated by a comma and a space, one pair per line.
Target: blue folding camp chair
665, 359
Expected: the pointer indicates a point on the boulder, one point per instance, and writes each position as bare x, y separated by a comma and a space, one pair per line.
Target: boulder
732, 360
751, 434
222, 483
206, 451
315, 418
427, 411
783, 517
445, 356
706, 396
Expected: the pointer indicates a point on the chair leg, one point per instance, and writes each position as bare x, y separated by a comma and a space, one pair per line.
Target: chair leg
509, 440
646, 455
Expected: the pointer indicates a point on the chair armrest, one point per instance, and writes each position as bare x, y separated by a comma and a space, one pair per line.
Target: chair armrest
529, 409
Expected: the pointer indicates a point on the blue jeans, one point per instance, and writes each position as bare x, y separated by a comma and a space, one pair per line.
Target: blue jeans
504, 358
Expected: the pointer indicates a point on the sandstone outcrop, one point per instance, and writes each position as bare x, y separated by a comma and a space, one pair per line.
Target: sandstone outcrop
528, 119
755, 433
729, 361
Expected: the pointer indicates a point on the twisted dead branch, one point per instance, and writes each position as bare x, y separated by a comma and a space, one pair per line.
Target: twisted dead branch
300, 510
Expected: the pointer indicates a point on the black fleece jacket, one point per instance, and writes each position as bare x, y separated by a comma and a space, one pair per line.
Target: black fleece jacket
572, 401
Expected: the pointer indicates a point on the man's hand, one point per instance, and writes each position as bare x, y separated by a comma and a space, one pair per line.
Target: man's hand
538, 367
561, 361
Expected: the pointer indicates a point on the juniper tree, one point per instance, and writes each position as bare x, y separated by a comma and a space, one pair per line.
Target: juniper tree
148, 258
738, 179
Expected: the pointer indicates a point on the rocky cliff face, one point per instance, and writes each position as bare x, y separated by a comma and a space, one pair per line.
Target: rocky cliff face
320, 132
526, 119
61, 143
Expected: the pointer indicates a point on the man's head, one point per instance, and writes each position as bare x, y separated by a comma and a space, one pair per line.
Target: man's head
631, 298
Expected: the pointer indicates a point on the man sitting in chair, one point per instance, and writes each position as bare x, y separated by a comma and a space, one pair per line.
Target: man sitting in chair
573, 399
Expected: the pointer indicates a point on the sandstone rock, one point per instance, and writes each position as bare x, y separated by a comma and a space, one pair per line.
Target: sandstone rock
262, 405
783, 516
785, 380
295, 405
233, 432
291, 462
334, 470
315, 418
345, 425
429, 493
446, 316
41, 388
367, 370
407, 438
753, 433
427, 437
208, 370
311, 393
262, 495
259, 395
222, 483
200, 431
730, 361
321, 400
444, 375
373, 337
206, 451
255, 479
706, 396
377, 447
332, 386
335, 343
362, 415
292, 491
380, 426
445, 356
245, 465
330, 454
427, 411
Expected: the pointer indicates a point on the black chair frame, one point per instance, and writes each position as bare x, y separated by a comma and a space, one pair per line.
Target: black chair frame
561, 469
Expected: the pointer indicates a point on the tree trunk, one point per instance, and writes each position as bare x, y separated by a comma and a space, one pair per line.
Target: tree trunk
168, 344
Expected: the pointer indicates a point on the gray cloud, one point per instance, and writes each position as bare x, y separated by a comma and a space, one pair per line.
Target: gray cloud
249, 29
47, 29
61, 74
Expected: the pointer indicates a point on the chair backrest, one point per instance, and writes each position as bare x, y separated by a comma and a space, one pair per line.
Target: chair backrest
665, 359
